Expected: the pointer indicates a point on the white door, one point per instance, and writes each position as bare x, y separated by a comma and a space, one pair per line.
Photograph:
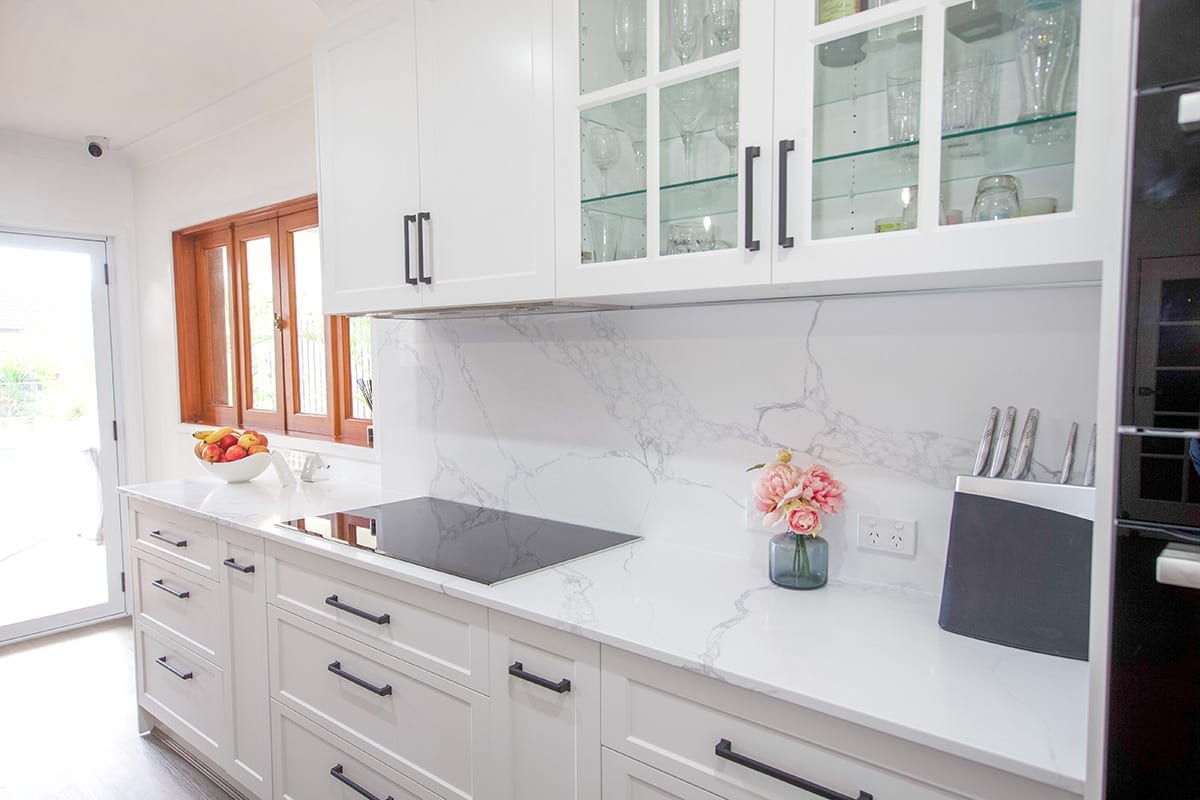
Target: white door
61, 542
366, 96
487, 150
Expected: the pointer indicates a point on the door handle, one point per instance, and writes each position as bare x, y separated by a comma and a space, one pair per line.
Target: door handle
339, 772
1178, 565
786, 146
162, 662
409, 219
378, 619
423, 216
724, 750
1189, 111
517, 670
382, 691
752, 152
168, 539
158, 584
229, 562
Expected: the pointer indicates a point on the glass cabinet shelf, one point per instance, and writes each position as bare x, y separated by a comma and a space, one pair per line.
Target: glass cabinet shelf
680, 201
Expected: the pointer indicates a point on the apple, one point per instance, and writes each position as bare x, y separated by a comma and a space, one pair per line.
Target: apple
235, 453
227, 441
262, 437
255, 449
211, 453
248, 440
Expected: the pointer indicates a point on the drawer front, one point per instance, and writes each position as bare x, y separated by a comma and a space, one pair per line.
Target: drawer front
179, 602
312, 764
184, 540
626, 779
181, 690
648, 716
426, 727
441, 634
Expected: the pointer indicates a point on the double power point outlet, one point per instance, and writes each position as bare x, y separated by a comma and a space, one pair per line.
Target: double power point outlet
886, 535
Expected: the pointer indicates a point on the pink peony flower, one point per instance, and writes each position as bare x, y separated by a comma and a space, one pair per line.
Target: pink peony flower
803, 519
774, 484
818, 487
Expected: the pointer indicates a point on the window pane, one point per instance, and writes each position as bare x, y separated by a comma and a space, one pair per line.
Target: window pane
360, 367
216, 264
310, 324
260, 299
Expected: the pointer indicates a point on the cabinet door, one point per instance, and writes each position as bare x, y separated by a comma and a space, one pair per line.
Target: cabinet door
626, 779
546, 741
663, 129
366, 96
244, 612
487, 151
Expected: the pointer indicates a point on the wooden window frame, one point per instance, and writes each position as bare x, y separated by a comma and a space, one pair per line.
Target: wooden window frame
195, 340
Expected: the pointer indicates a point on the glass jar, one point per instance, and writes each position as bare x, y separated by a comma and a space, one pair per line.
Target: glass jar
996, 198
798, 562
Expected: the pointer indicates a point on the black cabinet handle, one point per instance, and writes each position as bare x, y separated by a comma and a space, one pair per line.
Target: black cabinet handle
785, 146
168, 539
378, 619
421, 276
162, 662
517, 670
382, 691
752, 152
337, 772
724, 750
158, 584
409, 219
229, 562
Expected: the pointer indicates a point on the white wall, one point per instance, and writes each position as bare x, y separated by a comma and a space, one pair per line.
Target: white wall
269, 159
644, 421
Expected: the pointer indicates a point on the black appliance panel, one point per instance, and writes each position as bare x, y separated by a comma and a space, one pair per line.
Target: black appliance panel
1167, 36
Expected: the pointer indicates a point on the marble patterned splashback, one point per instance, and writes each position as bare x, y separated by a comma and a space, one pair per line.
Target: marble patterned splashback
645, 421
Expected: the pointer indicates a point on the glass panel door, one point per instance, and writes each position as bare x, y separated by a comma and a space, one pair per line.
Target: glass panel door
60, 550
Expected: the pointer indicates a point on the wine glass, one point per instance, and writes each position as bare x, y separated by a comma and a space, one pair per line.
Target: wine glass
632, 112
726, 120
725, 24
629, 33
687, 19
604, 147
687, 104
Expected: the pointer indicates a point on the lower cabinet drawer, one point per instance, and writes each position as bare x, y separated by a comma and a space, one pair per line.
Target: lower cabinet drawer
426, 727
180, 602
626, 779
182, 539
312, 764
181, 690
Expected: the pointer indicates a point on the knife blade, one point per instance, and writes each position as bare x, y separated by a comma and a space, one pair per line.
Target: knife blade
1089, 465
1000, 452
985, 442
1069, 456
1025, 449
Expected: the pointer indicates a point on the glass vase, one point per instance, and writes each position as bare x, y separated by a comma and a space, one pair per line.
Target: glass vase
798, 562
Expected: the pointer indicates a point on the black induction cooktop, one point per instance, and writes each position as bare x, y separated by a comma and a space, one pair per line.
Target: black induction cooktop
480, 544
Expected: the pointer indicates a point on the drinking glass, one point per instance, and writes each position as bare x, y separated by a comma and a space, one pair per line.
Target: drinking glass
629, 33
725, 23
726, 119
632, 113
968, 104
687, 20
604, 147
690, 237
996, 198
606, 235
687, 103
904, 105
878, 39
1045, 49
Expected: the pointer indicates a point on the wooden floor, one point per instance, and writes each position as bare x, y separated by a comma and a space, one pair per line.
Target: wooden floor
68, 726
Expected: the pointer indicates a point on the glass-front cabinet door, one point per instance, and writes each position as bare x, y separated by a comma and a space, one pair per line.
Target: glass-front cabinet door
940, 137
663, 134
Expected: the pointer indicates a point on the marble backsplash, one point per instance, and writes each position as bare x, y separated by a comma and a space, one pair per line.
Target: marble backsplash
644, 421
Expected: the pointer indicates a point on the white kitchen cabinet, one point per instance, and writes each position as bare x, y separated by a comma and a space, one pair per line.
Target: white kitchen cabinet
243, 618
435, 138
626, 779
545, 712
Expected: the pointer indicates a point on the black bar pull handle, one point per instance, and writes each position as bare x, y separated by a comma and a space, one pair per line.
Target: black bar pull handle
382, 691
724, 750
785, 146
339, 773
158, 584
378, 619
517, 670
173, 542
752, 152
229, 562
162, 662
421, 276
409, 219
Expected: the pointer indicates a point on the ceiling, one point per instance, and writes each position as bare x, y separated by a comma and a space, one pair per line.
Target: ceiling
134, 69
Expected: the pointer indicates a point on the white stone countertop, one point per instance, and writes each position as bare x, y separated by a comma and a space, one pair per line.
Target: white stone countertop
870, 654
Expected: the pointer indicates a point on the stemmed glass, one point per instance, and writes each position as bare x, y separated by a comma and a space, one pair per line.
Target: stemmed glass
725, 24
687, 20
687, 104
604, 147
629, 33
632, 112
725, 119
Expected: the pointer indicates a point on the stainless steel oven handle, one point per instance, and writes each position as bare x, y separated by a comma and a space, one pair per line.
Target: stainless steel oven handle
1178, 565
1157, 433
1189, 111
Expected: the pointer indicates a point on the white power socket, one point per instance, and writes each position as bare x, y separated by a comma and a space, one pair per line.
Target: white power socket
886, 535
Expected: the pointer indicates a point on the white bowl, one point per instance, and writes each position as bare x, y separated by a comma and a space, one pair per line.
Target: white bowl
239, 471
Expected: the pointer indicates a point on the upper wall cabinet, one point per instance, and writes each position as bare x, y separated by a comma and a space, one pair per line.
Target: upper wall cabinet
435, 137
663, 135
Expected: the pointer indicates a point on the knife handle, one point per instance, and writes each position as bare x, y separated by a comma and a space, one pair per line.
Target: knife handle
1025, 450
1089, 466
1000, 455
985, 442
1069, 456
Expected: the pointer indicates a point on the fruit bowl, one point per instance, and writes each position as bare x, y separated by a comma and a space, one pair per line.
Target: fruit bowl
238, 471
